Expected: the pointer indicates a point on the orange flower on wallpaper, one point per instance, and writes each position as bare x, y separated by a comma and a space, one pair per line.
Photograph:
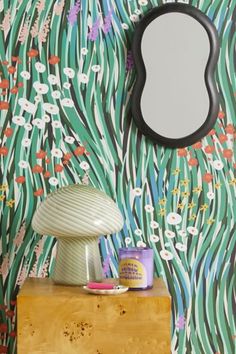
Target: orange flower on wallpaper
38, 192
14, 90
4, 105
67, 156
80, 150
41, 154
37, 169
223, 138
58, 168
20, 179
228, 153
11, 69
4, 84
54, 59
32, 53
229, 129
47, 174
221, 115
3, 150
182, 152
193, 162
207, 177
197, 145
209, 149
8, 132
211, 132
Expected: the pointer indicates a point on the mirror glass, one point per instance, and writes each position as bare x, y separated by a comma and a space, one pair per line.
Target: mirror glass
175, 49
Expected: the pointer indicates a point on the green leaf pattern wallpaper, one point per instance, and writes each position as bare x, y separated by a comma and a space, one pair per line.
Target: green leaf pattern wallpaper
66, 77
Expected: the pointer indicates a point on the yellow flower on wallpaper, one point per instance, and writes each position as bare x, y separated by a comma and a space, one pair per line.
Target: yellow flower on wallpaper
162, 212
197, 189
210, 221
192, 217
204, 207
184, 182
162, 201
2, 197
232, 182
218, 185
180, 206
3, 187
10, 203
176, 171
175, 191
185, 194
191, 205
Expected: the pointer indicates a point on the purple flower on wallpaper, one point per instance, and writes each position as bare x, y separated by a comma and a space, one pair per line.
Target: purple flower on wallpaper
93, 34
72, 15
107, 22
106, 266
129, 61
181, 322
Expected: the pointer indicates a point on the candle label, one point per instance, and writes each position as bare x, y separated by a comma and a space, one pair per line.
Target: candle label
132, 273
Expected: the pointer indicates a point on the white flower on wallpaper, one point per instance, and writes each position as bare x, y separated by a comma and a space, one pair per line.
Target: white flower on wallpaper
66, 85
40, 67
166, 255
69, 72
26, 142
67, 102
53, 79
69, 139
154, 238
96, 68
181, 247
39, 123
23, 164
137, 192
56, 124
46, 118
125, 26
138, 232
169, 234
141, 244
50, 108
128, 241
28, 126
192, 230
210, 195
27, 105
83, 78
84, 165
174, 218
182, 233
154, 224
40, 88
143, 2
218, 165
84, 51
25, 75
53, 181
149, 208
18, 120
55, 152
134, 18
56, 94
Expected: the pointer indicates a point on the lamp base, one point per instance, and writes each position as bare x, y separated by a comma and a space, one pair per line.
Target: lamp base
77, 261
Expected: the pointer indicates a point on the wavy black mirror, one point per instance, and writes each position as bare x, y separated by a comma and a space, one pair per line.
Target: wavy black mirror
175, 99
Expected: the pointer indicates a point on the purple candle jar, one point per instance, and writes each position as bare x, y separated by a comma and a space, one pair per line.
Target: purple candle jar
136, 267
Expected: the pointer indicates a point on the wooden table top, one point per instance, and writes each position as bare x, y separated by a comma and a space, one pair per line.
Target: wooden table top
45, 287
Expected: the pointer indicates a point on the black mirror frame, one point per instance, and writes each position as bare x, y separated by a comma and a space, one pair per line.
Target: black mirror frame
209, 75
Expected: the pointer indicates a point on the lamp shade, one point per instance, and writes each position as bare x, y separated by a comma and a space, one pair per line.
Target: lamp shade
77, 215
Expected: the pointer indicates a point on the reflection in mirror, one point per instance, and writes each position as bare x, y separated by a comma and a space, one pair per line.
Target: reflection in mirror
175, 101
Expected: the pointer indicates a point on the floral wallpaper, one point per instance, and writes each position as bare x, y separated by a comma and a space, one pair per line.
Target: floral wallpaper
66, 76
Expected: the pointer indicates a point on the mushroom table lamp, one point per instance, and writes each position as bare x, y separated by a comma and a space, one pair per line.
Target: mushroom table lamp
77, 215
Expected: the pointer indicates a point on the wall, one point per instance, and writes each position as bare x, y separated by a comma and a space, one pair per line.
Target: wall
61, 126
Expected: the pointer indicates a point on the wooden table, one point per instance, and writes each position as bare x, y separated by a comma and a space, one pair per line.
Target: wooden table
66, 320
